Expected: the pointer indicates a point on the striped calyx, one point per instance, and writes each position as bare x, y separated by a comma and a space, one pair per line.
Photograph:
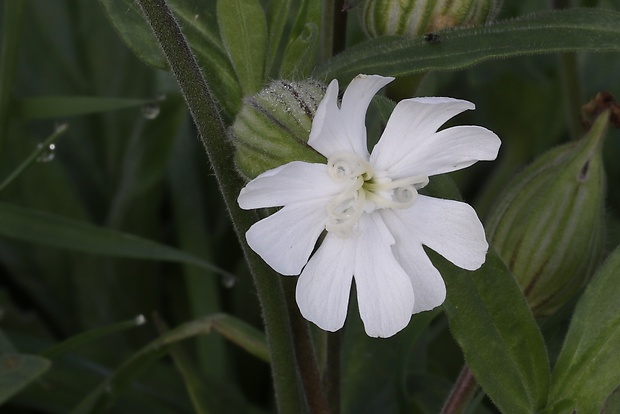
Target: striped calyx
273, 126
548, 225
417, 17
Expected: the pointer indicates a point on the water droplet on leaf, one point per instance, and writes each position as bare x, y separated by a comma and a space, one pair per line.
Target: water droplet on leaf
139, 320
47, 154
150, 111
229, 281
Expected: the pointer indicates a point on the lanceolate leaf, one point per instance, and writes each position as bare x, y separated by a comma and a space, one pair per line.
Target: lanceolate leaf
490, 320
502, 344
45, 228
588, 368
63, 106
17, 371
545, 32
243, 27
239, 332
198, 24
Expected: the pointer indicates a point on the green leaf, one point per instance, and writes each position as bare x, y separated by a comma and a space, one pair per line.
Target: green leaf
91, 335
277, 14
17, 371
494, 327
376, 367
300, 54
133, 29
6, 346
244, 335
44, 107
198, 24
588, 368
45, 228
545, 32
243, 27
192, 208
207, 396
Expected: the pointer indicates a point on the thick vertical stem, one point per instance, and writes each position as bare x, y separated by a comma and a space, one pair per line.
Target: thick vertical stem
306, 355
213, 135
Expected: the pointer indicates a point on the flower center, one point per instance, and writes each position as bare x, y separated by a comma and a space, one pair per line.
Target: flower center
365, 191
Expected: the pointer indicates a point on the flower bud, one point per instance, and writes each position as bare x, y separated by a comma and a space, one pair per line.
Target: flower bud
272, 128
416, 17
548, 226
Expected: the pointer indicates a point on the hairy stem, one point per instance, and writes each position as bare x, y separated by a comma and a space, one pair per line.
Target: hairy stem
212, 132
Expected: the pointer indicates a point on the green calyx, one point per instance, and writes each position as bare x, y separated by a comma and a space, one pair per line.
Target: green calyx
417, 17
548, 226
273, 127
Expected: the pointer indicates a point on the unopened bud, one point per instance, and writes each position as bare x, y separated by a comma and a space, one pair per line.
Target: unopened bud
548, 227
417, 17
273, 127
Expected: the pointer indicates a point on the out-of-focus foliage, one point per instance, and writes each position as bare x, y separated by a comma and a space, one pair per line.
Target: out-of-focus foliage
124, 218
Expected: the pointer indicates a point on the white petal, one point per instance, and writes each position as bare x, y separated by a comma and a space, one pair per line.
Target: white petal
449, 227
428, 285
324, 285
410, 132
286, 239
344, 130
448, 150
292, 182
384, 292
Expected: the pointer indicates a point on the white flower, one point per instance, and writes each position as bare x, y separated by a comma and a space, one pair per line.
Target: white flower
368, 204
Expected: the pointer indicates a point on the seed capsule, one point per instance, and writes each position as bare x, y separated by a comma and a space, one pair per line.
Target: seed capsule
548, 227
416, 17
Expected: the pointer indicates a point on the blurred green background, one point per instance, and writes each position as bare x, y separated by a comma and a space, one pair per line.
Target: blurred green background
136, 165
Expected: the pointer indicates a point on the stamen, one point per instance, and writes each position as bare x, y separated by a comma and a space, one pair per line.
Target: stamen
364, 192
344, 212
347, 166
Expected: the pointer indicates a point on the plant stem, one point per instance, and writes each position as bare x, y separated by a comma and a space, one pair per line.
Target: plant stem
334, 340
571, 83
573, 99
306, 355
11, 36
339, 31
334, 28
212, 132
462, 392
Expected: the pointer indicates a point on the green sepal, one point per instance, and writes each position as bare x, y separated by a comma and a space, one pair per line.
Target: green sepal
273, 127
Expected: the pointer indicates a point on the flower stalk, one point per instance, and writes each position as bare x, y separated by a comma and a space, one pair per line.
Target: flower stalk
212, 133
462, 392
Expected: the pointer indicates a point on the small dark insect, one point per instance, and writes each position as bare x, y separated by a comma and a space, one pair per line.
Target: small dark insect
432, 38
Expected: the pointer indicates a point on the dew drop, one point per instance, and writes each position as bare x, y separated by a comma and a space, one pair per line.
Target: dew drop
150, 111
139, 320
228, 281
47, 154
